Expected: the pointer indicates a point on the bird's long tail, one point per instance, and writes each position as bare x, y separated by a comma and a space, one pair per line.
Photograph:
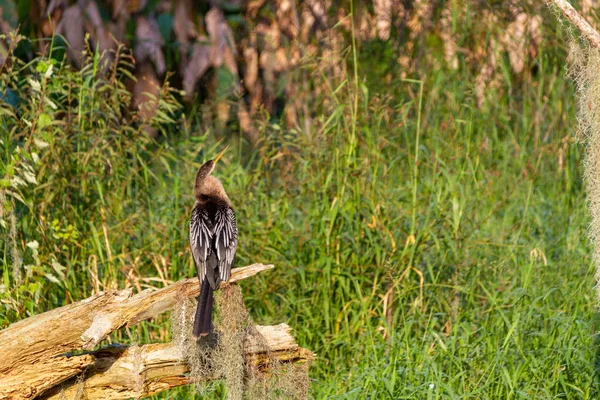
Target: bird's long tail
203, 320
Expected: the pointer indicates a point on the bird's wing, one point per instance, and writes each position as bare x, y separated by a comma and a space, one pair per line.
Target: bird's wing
200, 239
226, 234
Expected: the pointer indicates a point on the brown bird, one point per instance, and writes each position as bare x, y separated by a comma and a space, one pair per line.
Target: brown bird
213, 238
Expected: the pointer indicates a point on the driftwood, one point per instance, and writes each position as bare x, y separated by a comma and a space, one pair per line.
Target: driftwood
32, 351
123, 372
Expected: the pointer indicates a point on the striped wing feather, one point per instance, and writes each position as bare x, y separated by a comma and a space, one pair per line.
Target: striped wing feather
201, 239
226, 235
217, 234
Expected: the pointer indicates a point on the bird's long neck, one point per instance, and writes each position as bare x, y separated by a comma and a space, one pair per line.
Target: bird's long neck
210, 188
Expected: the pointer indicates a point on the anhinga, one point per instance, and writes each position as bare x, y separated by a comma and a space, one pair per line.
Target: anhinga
213, 238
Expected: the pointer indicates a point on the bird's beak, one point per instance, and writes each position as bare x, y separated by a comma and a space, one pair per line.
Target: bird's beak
220, 155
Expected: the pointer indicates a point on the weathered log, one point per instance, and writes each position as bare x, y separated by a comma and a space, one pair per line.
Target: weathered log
123, 372
26, 346
26, 382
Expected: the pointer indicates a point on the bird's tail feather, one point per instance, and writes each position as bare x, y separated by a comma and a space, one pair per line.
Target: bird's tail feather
203, 320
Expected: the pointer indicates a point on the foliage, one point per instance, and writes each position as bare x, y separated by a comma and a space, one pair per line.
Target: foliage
68, 141
244, 56
427, 244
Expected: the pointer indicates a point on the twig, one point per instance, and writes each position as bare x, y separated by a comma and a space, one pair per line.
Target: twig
586, 29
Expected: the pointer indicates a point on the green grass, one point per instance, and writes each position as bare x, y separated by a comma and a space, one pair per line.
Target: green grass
425, 247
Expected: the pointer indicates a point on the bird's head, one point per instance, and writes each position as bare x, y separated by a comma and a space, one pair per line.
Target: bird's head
204, 182
208, 167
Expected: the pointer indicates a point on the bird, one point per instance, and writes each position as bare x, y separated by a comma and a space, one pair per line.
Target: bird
213, 240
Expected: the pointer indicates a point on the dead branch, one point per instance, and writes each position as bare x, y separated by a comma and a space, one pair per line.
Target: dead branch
27, 382
26, 346
123, 372
586, 29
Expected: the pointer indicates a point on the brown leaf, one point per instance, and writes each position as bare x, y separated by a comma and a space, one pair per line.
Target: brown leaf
253, 7
145, 94
383, 17
71, 27
281, 60
54, 6
119, 8
587, 7
246, 124
200, 61
319, 8
520, 33
118, 29
420, 16
250, 54
224, 49
52, 16
287, 18
134, 6
94, 25
487, 78
450, 46
182, 23
366, 26
149, 43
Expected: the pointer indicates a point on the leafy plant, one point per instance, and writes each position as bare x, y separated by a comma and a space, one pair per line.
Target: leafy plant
65, 132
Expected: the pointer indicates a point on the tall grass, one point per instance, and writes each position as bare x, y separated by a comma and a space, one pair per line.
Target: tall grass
425, 247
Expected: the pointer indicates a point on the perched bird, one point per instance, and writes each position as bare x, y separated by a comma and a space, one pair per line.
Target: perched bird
213, 238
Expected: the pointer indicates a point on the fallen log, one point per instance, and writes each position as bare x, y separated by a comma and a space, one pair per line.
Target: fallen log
123, 372
32, 351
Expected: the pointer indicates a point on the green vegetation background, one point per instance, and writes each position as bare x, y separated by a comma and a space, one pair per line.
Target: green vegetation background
425, 246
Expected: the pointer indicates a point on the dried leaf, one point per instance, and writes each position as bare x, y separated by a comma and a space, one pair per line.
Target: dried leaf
149, 43
318, 9
281, 60
420, 16
366, 26
52, 16
51, 278
145, 91
145, 94
200, 61
250, 53
182, 25
450, 46
94, 25
123, 8
287, 18
224, 50
29, 177
253, 7
119, 8
246, 124
134, 6
524, 30
383, 17
587, 7
485, 79
71, 27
